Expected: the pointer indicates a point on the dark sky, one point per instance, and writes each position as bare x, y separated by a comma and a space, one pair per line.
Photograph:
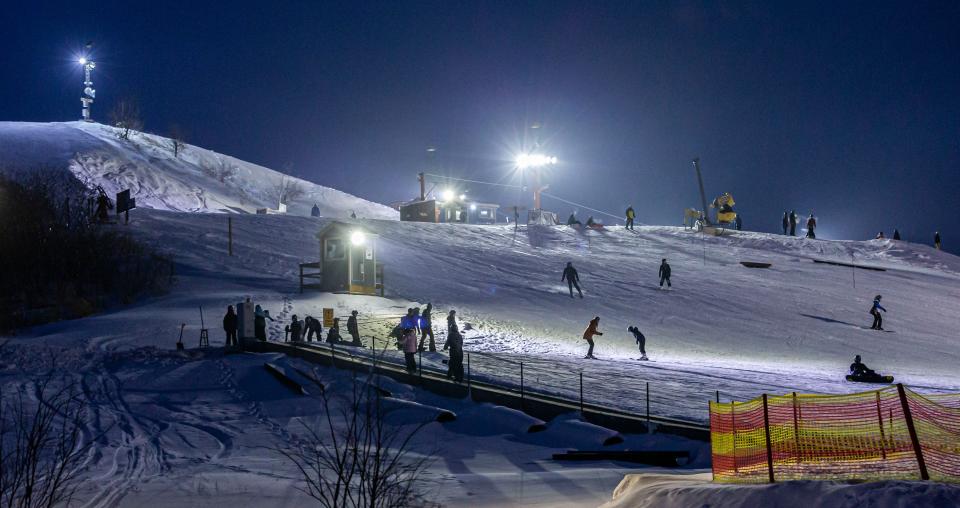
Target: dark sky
850, 109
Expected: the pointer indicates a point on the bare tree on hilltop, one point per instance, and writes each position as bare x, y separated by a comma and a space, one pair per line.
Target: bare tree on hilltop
125, 116
288, 189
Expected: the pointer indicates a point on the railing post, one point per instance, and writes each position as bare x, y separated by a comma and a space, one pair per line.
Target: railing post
581, 393
648, 407
921, 464
796, 426
718, 396
521, 385
733, 425
766, 430
420, 364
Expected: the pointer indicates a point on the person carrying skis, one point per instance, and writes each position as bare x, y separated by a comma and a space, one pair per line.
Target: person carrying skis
641, 340
811, 225
573, 279
859, 369
294, 329
410, 349
936, 240
896, 234
630, 216
353, 329
664, 273
786, 222
875, 311
589, 333
793, 223
426, 328
260, 318
455, 344
230, 326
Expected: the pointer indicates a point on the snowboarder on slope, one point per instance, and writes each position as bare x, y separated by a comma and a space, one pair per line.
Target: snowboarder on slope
455, 344
230, 326
641, 340
589, 333
896, 234
936, 240
260, 318
786, 222
793, 223
353, 329
859, 369
664, 272
811, 226
875, 311
426, 328
573, 279
630, 216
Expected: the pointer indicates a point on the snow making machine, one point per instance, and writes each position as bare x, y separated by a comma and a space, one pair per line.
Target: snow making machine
726, 216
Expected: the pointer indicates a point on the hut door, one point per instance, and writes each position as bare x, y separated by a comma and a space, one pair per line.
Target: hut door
358, 275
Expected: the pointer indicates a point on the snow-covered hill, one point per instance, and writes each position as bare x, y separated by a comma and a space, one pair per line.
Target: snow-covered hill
197, 180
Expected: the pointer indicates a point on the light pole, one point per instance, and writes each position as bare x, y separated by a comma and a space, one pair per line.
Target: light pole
88, 92
536, 162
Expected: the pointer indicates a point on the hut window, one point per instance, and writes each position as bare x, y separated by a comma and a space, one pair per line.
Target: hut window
334, 249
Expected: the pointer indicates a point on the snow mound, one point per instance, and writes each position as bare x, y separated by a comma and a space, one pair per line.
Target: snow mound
196, 180
683, 490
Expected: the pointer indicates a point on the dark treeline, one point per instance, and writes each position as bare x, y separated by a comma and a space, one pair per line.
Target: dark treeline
55, 263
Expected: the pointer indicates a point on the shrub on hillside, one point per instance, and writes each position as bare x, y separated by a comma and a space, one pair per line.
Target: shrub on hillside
57, 264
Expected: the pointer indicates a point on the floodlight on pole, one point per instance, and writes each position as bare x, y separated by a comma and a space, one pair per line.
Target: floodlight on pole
534, 160
88, 91
358, 238
447, 195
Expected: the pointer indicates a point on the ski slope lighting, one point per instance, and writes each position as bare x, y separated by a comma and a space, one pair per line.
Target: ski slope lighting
534, 160
358, 238
473, 207
82, 60
447, 195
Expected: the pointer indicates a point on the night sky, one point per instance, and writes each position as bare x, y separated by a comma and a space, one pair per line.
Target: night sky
849, 109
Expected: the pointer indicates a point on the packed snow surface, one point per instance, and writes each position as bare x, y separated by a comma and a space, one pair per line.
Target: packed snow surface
194, 180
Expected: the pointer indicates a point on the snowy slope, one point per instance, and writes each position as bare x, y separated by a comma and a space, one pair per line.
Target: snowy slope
198, 180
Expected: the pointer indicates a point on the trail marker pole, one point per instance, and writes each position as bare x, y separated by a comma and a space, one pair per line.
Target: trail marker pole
648, 407
581, 393
766, 431
230, 239
521, 385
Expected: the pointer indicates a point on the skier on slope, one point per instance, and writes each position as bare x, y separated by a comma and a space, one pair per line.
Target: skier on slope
230, 326
641, 340
786, 222
573, 279
811, 226
630, 216
664, 273
353, 329
793, 223
589, 333
875, 311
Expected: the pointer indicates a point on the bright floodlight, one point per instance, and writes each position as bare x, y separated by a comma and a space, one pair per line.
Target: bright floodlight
82, 60
463, 197
447, 195
534, 160
358, 238
473, 207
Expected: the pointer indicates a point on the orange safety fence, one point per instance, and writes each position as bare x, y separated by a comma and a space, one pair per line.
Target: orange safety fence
886, 434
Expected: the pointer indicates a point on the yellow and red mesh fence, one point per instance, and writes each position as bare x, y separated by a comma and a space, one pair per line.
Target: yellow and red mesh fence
891, 433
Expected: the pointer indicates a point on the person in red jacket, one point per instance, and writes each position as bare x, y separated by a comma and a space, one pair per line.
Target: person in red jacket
589, 333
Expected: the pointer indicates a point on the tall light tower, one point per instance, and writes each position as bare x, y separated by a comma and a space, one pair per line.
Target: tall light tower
88, 92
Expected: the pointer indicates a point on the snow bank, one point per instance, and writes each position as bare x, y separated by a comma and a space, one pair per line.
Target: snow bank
197, 180
685, 490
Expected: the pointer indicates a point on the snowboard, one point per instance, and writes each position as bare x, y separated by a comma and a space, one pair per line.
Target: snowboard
870, 379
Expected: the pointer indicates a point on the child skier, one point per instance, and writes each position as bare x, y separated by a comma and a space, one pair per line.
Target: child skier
875, 311
641, 341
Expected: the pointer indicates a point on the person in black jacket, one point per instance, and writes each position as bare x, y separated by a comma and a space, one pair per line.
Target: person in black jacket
573, 279
455, 344
333, 334
353, 329
641, 341
230, 326
811, 226
793, 223
312, 326
426, 328
936, 240
896, 234
294, 328
664, 273
786, 222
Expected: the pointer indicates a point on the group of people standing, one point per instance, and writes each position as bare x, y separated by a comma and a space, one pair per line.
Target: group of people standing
296, 331
416, 323
790, 220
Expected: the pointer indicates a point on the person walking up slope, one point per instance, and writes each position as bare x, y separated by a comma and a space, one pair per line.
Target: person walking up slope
664, 273
573, 279
589, 333
875, 311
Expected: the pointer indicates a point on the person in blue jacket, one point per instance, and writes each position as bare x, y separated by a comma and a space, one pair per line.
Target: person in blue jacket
875, 310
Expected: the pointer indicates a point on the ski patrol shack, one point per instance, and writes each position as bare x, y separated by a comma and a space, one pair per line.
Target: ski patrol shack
348, 261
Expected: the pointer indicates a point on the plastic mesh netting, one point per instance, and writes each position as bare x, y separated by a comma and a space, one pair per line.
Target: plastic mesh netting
892, 433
